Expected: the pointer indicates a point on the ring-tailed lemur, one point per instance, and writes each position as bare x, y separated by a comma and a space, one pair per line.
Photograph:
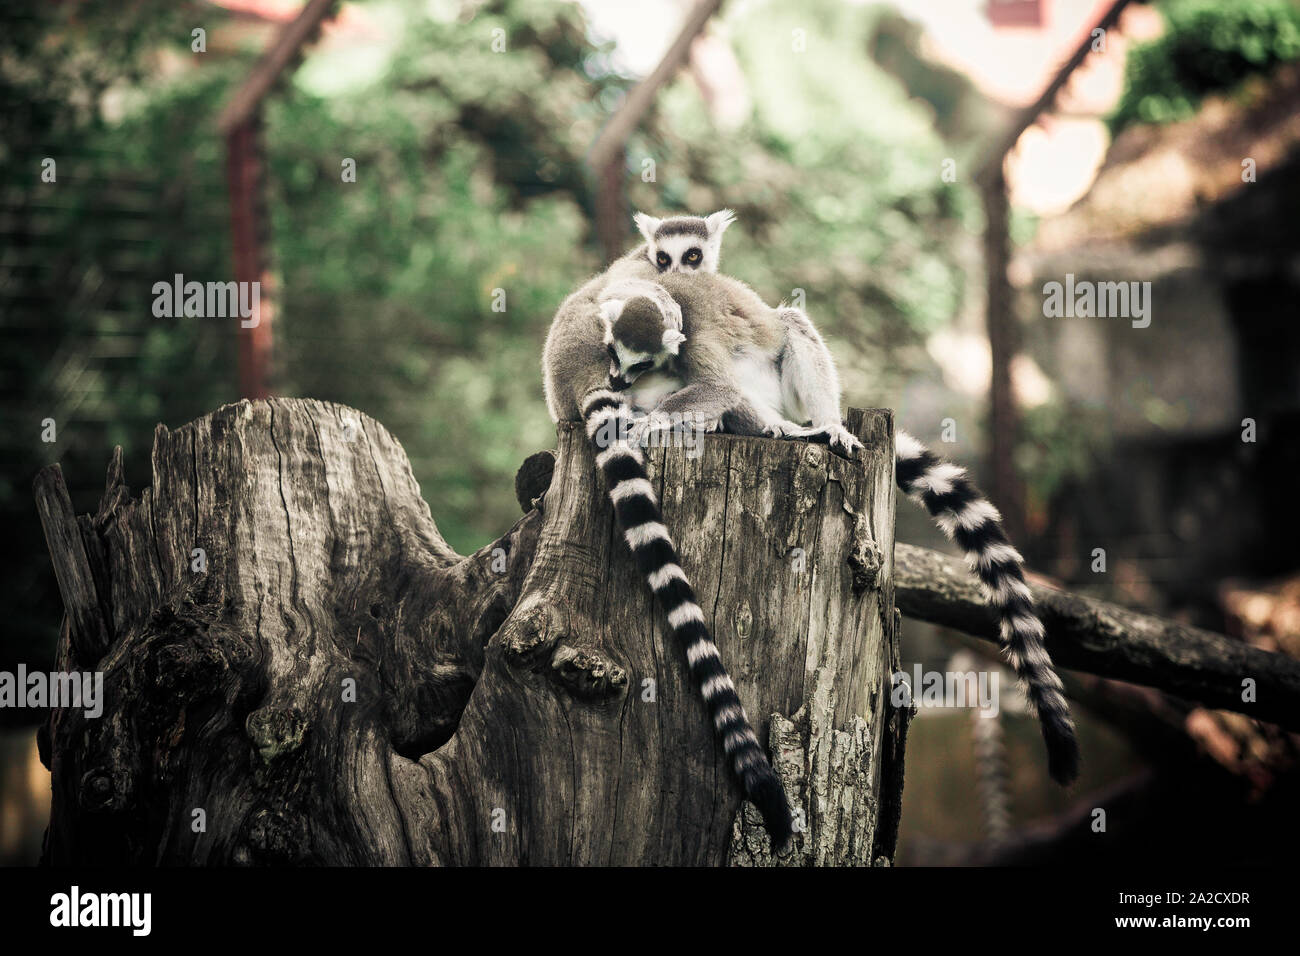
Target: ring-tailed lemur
740, 365
576, 367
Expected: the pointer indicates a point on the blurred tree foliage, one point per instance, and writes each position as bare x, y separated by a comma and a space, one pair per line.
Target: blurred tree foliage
470, 192
1207, 46
77, 258
471, 181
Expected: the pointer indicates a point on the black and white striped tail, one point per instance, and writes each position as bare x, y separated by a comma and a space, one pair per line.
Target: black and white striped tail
620, 459
967, 517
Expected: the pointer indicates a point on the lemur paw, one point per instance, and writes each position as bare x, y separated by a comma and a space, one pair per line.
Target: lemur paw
656, 427
842, 440
784, 429
645, 430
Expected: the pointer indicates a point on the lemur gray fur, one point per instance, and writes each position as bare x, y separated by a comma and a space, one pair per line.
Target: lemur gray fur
739, 365
747, 368
575, 376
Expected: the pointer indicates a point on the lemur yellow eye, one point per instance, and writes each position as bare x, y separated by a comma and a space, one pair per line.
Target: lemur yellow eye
692, 256
663, 259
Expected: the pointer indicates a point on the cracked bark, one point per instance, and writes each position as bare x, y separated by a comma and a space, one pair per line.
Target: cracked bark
329, 683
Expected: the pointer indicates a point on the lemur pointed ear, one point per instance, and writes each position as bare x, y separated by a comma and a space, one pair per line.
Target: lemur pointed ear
673, 340
610, 310
718, 222
646, 225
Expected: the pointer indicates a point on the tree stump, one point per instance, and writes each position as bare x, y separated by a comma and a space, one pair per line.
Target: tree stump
299, 670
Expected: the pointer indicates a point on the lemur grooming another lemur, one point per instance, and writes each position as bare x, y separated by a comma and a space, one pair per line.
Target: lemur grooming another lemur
721, 357
744, 367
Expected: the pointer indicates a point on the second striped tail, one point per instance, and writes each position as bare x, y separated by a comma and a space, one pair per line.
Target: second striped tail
969, 519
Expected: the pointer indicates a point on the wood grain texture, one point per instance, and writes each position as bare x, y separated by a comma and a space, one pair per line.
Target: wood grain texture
88, 632
335, 685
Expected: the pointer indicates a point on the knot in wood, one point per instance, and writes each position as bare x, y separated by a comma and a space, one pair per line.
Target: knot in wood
587, 673
864, 557
276, 731
104, 791
531, 631
744, 620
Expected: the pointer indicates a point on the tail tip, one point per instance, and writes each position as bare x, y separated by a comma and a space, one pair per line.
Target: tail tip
768, 795
1063, 758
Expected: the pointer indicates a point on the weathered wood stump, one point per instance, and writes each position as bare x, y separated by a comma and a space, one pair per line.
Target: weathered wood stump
298, 669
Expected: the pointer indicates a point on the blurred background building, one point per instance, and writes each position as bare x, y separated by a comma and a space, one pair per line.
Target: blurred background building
847, 137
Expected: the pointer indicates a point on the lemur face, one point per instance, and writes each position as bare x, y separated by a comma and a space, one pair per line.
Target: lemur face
626, 365
685, 243
636, 339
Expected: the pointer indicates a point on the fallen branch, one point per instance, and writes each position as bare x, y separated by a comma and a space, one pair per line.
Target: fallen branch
1101, 638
